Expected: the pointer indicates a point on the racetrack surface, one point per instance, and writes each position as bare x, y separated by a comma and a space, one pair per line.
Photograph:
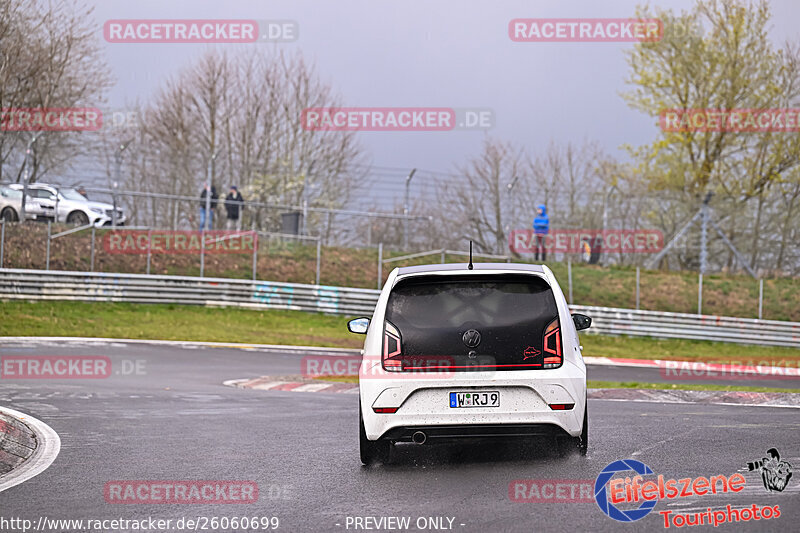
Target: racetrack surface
175, 420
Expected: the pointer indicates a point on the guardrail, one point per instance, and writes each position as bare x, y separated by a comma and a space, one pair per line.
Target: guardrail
27, 284
659, 324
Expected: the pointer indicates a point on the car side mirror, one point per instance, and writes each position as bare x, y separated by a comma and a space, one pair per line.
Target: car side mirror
581, 321
358, 325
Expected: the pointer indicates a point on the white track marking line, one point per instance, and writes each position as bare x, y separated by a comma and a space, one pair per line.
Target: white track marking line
653, 400
234, 382
312, 387
186, 344
269, 385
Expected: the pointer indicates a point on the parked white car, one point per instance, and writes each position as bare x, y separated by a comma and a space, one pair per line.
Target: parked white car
11, 206
453, 352
70, 206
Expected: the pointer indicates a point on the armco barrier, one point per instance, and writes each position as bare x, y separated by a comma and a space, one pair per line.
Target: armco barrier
138, 288
614, 321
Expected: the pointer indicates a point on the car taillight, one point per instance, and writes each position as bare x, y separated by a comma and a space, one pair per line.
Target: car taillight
391, 347
551, 346
561, 406
385, 410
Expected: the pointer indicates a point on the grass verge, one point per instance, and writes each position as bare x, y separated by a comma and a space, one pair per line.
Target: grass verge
195, 323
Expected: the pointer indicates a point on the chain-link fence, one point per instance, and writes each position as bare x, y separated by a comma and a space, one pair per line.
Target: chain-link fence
305, 259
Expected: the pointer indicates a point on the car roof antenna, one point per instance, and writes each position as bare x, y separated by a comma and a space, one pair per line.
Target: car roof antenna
470, 256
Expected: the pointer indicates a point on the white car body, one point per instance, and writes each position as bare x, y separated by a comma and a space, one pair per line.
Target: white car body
421, 400
68, 204
11, 205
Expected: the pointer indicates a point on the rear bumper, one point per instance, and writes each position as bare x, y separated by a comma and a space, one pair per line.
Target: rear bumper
445, 433
525, 399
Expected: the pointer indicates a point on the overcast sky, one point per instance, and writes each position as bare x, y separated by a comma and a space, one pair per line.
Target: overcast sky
444, 53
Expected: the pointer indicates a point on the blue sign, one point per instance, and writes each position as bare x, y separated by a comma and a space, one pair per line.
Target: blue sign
601, 497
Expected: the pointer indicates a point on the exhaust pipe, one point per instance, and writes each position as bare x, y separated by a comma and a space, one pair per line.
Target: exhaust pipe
419, 437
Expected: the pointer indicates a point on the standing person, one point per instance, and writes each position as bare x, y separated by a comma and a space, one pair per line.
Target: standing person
541, 227
233, 207
213, 205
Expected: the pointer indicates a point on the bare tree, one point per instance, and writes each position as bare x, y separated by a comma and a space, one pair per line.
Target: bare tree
49, 57
246, 108
566, 178
483, 204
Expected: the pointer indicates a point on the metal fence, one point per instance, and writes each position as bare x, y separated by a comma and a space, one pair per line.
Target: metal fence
304, 259
26, 284
141, 208
93, 245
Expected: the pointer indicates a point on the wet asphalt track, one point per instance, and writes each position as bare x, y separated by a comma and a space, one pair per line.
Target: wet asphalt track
177, 421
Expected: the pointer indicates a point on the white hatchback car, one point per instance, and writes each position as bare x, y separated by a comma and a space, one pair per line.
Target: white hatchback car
454, 352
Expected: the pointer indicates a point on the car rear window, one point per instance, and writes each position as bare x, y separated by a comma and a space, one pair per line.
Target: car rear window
437, 317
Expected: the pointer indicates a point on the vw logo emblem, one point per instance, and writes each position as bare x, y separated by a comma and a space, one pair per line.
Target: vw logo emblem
471, 338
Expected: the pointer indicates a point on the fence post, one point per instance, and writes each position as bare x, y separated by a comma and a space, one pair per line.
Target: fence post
203, 250
443, 256
2, 240
319, 254
760, 297
149, 240
91, 261
47, 257
255, 255
569, 276
700, 295
380, 264
637, 288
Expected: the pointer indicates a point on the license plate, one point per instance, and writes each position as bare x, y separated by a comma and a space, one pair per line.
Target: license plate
475, 399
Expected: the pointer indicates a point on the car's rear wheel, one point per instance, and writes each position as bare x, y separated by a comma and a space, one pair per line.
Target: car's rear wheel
9, 215
372, 451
